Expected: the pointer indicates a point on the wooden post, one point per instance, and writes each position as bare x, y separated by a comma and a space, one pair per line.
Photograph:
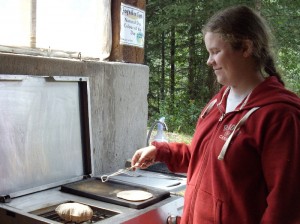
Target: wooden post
33, 24
128, 51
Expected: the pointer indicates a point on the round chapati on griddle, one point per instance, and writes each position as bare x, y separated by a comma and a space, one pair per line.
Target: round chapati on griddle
134, 195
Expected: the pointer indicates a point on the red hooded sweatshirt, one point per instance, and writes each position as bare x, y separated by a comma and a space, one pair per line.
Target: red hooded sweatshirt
258, 181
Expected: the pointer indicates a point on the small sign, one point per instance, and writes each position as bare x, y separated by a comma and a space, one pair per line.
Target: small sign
132, 30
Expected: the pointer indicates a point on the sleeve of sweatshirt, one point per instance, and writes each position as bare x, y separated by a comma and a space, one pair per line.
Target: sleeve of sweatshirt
175, 155
281, 167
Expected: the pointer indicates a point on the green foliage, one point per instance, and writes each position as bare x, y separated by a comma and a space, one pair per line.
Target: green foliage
284, 18
290, 68
183, 117
195, 83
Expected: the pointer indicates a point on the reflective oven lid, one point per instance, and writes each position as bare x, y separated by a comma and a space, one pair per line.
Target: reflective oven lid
44, 132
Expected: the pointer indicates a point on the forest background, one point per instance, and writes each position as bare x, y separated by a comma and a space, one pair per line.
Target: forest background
181, 83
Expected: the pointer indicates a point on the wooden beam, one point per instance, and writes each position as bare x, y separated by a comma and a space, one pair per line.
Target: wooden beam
33, 24
126, 52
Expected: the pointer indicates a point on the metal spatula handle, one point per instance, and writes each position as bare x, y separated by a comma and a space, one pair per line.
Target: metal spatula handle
105, 178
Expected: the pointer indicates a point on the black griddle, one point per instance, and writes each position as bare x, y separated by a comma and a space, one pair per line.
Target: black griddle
107, 191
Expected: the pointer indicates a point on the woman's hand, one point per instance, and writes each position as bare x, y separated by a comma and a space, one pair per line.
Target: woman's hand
144, 157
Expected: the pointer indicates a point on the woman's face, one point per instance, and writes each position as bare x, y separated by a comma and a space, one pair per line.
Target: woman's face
226, 62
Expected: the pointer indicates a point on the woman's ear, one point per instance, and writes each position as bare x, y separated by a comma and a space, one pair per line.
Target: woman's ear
247, 48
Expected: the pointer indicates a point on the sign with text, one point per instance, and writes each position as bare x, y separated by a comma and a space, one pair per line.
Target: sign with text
132, 26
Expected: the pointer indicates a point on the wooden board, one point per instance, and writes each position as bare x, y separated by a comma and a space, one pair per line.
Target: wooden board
119, 52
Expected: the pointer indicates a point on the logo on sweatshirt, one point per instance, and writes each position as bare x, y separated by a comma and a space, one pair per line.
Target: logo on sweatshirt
227, 130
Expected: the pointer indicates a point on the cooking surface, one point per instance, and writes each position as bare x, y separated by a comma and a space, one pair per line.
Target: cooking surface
24, 206
56, 151
107, 192
99, 214
152, 179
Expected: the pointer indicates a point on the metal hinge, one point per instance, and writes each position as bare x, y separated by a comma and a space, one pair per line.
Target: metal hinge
87, 176
5, 198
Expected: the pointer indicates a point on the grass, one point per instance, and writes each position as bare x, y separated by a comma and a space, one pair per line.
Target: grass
178, 137
174, 137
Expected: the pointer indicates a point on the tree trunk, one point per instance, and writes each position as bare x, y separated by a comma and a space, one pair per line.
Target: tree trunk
162, 80
172, 63
191, 58
258, 5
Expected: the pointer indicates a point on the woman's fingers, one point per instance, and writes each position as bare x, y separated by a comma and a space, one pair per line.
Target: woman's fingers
135, 159
144, 157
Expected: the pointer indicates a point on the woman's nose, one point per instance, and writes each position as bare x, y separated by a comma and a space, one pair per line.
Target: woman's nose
209, 61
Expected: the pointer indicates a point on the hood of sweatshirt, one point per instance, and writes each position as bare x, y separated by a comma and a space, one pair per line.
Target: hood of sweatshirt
270, 91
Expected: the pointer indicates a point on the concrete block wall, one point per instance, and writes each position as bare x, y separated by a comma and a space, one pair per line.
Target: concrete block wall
119, 107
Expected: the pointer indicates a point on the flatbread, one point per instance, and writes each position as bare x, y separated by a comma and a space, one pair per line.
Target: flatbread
74, 212
134, 195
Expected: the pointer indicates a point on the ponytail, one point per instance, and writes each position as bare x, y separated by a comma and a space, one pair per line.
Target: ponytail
271, 70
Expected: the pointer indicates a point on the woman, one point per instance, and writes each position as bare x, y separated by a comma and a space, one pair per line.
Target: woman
243, 164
